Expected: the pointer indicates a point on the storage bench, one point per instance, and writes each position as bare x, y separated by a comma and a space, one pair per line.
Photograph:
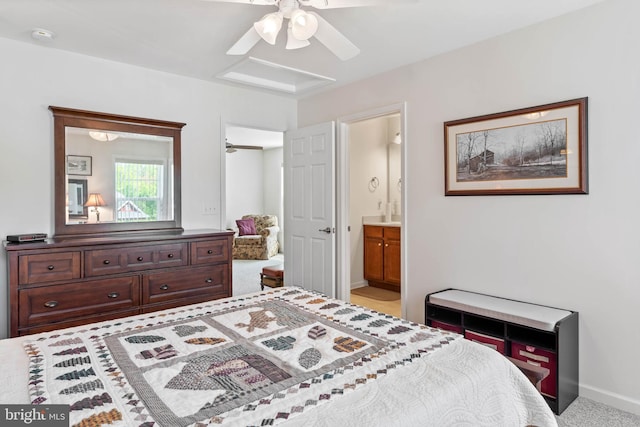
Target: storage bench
542, 341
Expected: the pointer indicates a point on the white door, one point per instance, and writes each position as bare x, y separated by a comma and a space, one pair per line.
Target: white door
309, 183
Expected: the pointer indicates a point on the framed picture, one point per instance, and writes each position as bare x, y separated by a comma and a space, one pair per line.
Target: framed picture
79, 165
536, 150
77, 196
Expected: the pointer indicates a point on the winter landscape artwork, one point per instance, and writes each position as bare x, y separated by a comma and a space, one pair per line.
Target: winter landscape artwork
537, 150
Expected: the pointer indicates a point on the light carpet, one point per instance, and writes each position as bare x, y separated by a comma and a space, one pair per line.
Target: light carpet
246, 273
585, 412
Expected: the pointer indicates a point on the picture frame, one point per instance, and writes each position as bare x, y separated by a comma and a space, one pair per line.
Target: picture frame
535, 150
77, 197
79, 165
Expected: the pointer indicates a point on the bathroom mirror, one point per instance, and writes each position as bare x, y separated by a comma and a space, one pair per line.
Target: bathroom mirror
115, 173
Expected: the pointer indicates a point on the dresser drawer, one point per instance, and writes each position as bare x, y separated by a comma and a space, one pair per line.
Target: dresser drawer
210, 251
100, 262
43, 268
57, 303
208, 281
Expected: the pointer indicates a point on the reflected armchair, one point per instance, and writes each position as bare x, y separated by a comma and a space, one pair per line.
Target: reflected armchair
263, 244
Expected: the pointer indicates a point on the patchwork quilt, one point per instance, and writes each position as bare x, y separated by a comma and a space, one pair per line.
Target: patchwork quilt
259, 359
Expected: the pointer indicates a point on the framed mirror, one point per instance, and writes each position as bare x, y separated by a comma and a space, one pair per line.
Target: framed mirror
115, 173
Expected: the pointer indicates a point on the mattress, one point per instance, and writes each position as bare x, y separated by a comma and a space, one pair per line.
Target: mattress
282, 356
521, 313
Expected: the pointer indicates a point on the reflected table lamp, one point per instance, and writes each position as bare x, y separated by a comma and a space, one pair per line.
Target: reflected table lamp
94, 201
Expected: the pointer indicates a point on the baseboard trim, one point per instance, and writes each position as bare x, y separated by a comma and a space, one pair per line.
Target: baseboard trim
615, 400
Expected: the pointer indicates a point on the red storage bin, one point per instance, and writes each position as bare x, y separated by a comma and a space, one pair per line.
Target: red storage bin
538, 357
487, 340
446, 326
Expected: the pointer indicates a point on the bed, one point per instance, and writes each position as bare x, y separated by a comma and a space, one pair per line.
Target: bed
282, 356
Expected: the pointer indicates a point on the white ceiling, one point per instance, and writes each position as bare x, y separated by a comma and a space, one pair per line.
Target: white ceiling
239, 135
191, 37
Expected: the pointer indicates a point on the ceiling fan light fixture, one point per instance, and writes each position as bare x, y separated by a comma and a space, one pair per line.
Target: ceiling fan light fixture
293, 42
269, 27
303, 24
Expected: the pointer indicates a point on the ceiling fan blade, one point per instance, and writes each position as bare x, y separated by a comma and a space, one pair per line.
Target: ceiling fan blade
334, 4
245, 43
242, 147
334, 40
246, 147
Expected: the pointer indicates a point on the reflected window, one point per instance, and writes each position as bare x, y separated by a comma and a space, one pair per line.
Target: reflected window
141, 191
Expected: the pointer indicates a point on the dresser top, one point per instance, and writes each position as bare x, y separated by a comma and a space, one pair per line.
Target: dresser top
117, 238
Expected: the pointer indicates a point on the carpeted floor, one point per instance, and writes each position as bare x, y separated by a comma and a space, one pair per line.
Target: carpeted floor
584, 412
246, 274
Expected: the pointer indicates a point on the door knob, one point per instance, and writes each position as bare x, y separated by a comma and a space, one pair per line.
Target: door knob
326, 230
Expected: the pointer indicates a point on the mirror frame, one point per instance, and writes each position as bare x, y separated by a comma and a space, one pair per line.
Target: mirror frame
67, 117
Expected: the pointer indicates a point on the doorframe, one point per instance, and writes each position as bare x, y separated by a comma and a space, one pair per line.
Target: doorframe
343, 241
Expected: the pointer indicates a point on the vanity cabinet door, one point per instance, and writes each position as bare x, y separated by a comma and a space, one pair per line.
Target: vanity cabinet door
373, 258
392, 261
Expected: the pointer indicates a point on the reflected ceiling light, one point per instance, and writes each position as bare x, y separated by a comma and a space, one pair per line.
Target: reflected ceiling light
269, 26
103, 136
536, 115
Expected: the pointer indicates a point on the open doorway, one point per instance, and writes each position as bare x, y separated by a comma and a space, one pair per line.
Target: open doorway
370, 153
254, 190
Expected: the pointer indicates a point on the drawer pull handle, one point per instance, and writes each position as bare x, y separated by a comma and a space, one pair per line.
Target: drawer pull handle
209, 251
113, 295
209, 280
106, 262
140, 258
164, 287
51, 304
170, 256
50, 268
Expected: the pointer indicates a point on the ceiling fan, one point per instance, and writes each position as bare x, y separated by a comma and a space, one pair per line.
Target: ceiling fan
232, 148
301, 26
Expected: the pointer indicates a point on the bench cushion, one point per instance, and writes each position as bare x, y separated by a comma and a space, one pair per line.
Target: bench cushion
521, 313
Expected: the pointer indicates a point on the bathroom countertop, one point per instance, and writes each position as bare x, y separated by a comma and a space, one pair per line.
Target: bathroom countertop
383, 224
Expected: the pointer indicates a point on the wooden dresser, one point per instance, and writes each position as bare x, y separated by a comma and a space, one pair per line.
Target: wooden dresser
61, 283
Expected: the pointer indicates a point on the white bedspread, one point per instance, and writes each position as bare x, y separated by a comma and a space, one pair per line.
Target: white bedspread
462, 384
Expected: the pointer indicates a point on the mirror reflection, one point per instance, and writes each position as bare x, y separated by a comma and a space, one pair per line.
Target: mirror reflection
115, 174
118, 177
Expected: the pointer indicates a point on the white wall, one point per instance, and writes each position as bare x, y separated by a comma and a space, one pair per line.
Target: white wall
578, 252
245, 171
34, 77
272, 188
